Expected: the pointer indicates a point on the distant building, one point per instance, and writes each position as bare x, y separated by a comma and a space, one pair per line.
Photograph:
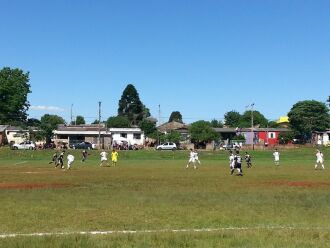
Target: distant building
174, 126
283, 121
16, 135
90, 133
133, 136
268, 136
321, 138
78, 133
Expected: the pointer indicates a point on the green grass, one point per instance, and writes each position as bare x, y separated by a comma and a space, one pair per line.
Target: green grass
151, 190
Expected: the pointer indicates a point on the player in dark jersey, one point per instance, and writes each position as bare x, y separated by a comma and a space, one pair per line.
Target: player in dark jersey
238, 164
84, 156
248, 160
60, 160
54, 158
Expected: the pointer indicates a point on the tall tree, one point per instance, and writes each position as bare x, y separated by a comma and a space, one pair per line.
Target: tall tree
258, 119
328, 101
232, 119
202, 131
308, 116
148, 127
14, 88
146, 112
176, 116
131, 106
48, 123
32, 122
118, 122
216, 123
80, 120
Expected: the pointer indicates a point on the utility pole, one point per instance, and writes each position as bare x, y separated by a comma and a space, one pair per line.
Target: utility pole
71, 114
158, 141
99, 125
252, 132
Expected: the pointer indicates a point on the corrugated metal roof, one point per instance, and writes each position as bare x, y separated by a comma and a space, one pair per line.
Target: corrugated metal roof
3, 128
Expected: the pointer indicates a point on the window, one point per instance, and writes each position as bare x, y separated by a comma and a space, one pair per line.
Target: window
137, 136
123, 135
271, 135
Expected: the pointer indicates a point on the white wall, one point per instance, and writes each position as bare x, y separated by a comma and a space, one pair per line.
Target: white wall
17, 136
117, 136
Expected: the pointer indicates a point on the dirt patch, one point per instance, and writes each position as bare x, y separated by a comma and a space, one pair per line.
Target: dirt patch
305, 184
33, 185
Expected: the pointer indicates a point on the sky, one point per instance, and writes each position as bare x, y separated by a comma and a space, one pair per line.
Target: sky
202, 58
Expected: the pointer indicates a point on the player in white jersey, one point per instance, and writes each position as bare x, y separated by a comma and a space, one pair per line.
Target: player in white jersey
191, 159
231, 160
238, 164
319, 159
196, 157
276, 155
104, 158
70, 159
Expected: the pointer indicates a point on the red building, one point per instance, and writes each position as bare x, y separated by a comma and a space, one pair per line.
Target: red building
269, 136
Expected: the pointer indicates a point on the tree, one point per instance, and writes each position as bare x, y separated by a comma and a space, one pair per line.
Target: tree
146, 112
202, 132
95, 122
232, 119
258, 119
130, 105
285, 137
216, 123
148, 127
118, 122
328, 101
80, 120
32, 122
175, 116
173, 136
308, 116
48, 123
14, 88
273, 124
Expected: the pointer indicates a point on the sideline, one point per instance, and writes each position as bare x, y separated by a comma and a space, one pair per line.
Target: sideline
13, 235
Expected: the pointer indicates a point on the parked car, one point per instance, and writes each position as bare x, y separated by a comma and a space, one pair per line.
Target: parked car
167, 146
230, 146
26, 145
81, 145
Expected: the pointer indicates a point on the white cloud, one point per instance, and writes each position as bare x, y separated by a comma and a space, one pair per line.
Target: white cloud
47, 108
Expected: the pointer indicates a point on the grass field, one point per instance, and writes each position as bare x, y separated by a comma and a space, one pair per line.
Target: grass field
153, 194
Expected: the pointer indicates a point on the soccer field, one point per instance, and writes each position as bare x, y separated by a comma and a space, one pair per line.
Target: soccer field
151, 200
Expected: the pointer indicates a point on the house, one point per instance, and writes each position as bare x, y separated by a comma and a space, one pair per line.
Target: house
321, 138
2, 134
283, 121
269, 136
258, 136
175, 126
78, 133
90, 133
16, 135
132, 136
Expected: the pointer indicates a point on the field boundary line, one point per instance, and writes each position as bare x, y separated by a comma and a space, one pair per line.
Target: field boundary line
41, 234
23, 162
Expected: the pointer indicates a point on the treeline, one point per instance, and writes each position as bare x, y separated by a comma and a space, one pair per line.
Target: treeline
304, 116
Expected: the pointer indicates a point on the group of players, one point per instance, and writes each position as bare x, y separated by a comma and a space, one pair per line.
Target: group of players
58, 159
235, 160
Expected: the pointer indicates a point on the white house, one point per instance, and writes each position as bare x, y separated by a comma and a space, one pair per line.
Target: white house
16, 135
77, 133
133, 136
321, 138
